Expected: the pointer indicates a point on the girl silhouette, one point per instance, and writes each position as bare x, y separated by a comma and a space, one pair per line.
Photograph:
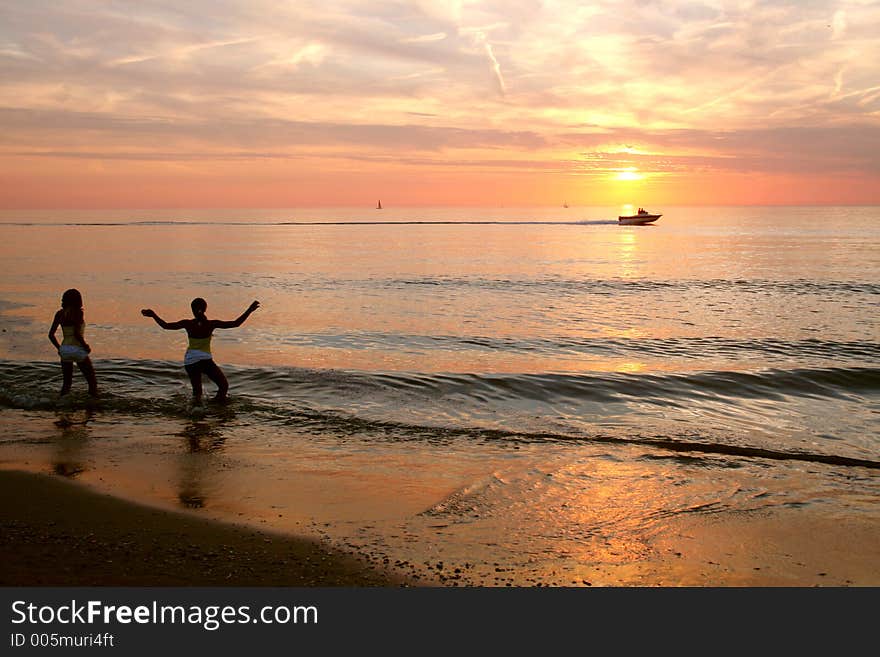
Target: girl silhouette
73, 347
198, 359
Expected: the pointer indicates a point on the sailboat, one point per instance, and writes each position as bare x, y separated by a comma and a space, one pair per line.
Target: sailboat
379, 205
565, 204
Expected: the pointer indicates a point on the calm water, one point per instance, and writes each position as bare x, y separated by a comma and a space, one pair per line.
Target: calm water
514, 383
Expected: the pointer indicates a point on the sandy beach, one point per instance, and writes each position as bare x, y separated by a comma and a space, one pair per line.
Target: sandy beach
56, 533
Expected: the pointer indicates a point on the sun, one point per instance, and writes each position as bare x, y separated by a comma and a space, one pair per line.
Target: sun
629, 174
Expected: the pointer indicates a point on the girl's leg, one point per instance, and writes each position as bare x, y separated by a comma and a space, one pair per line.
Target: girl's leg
195, 377
216, 375
88, 371
66, 376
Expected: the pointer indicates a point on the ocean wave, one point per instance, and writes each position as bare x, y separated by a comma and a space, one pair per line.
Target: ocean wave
639, 286
157, 377
564, 287
350, 403
702, 348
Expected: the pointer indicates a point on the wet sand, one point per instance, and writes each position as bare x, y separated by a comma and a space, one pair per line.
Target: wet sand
56, 533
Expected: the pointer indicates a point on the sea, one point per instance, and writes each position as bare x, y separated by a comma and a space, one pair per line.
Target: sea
471, 396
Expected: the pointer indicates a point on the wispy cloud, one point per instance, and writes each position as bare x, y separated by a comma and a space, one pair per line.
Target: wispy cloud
425, 38
838, 24
782, 85
180, 52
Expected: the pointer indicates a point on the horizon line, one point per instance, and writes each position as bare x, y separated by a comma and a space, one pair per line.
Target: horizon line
370, 206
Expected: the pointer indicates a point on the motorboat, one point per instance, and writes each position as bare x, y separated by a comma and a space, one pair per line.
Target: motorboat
640, 218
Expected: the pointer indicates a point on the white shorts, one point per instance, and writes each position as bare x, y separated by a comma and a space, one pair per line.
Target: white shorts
71, 353
195, 355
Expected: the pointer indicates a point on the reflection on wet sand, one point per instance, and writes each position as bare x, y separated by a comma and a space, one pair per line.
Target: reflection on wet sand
70, 442
203, 438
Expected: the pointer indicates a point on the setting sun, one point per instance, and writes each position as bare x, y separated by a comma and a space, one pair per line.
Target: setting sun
629, 175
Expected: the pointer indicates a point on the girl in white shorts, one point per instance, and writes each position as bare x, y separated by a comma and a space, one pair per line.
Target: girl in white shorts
73, 347
198, 359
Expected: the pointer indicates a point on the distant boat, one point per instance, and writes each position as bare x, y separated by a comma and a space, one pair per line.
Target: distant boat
379, 205
565, 204
640, 218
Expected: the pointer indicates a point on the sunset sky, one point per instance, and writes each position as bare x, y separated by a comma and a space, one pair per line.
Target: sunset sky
266, 103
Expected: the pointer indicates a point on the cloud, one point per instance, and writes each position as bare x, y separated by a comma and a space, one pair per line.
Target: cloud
784, 84
425, 38
47, 127
482, 42
838, 24
806, 149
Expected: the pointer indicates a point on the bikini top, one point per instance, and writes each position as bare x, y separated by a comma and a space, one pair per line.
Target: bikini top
69, 332
202, 344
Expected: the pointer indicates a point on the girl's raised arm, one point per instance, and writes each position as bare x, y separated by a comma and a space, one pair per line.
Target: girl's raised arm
218, 323
170, 326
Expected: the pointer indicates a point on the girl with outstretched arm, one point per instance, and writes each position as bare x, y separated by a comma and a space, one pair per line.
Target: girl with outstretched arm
198, 359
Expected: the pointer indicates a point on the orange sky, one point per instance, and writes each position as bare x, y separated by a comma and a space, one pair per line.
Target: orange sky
139, 105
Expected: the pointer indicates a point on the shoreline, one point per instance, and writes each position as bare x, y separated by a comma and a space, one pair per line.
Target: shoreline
58, 533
